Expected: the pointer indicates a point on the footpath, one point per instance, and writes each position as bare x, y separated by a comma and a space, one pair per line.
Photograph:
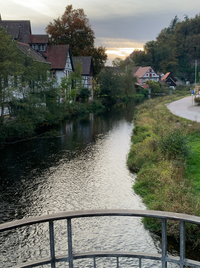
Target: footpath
184, 108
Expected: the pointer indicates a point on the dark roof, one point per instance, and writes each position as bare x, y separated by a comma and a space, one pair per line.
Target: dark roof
38, 39
18, 29
57, 56
27, 50
168, 75
86, 63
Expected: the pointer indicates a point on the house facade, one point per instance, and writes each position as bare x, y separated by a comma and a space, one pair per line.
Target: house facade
61, 60
145, 73
169, 79
39, 42
87, 72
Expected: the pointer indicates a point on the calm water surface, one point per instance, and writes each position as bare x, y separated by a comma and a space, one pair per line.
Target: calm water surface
85, 168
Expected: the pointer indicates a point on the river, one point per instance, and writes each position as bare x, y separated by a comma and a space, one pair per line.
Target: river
82, 169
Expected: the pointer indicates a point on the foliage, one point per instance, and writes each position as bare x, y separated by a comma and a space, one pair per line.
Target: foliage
84, 94
174, 145
168, 174
110, 85
96, 105
73, 28
174, 50
10, 66
155, 86
129, 81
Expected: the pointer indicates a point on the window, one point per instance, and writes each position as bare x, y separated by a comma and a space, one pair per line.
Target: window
150, 70
54, 74
42, 48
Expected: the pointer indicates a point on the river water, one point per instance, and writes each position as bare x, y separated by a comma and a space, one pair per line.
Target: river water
85, 168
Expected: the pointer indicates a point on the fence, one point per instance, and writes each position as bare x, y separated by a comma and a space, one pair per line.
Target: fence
163, 257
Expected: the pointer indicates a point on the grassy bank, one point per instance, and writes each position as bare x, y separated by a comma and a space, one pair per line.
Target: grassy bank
165, 153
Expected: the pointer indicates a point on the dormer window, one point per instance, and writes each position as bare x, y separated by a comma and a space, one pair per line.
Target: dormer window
42, 47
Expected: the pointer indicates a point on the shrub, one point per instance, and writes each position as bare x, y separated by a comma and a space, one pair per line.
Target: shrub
174, 145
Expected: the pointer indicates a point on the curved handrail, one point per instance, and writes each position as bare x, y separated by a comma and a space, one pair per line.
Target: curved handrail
164, 216
95, 213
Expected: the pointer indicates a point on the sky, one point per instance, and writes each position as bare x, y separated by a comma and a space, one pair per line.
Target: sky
120, 26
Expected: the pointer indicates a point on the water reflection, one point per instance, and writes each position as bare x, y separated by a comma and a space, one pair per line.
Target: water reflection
85, 168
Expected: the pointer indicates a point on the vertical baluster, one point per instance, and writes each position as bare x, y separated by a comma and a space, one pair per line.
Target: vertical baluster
164, 243
117, 262
52, 246
94, 262
182, 243
140, 263
69, 231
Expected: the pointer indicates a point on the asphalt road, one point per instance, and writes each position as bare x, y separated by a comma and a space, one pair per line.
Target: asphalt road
184, 108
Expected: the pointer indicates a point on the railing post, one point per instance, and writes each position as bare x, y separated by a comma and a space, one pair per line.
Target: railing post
69, 231
182, 243
52, 245
164, 243
117, 262
140, 263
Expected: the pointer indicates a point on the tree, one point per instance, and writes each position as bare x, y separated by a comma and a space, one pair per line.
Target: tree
73, 28
155, 86
10, 66
110, 84
71, 85
129, 81
118, 62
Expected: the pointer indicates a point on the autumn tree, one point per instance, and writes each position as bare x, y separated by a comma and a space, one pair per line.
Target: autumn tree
73, 28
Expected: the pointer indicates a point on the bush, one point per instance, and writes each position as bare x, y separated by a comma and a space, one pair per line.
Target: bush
174, 145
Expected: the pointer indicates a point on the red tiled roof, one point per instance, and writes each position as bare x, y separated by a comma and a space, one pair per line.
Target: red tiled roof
27, 50
165, 76
141, 71
38, 39
134, 69
57, 56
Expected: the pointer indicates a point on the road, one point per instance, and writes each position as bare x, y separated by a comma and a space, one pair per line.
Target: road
185, 109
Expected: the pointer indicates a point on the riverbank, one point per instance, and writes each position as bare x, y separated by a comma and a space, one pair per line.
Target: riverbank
32, 122
165, 153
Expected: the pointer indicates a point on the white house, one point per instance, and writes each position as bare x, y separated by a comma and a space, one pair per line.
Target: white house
61, 61
145, 73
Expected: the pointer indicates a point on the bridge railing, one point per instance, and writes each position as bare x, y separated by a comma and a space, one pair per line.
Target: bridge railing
163, 257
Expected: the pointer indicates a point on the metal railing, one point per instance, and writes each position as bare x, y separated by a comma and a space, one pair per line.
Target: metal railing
163, 257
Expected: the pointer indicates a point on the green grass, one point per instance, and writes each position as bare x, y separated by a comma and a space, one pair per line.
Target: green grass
168, 170
193, 163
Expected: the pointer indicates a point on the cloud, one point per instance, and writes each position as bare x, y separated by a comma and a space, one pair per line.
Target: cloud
117, 24
39, 6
